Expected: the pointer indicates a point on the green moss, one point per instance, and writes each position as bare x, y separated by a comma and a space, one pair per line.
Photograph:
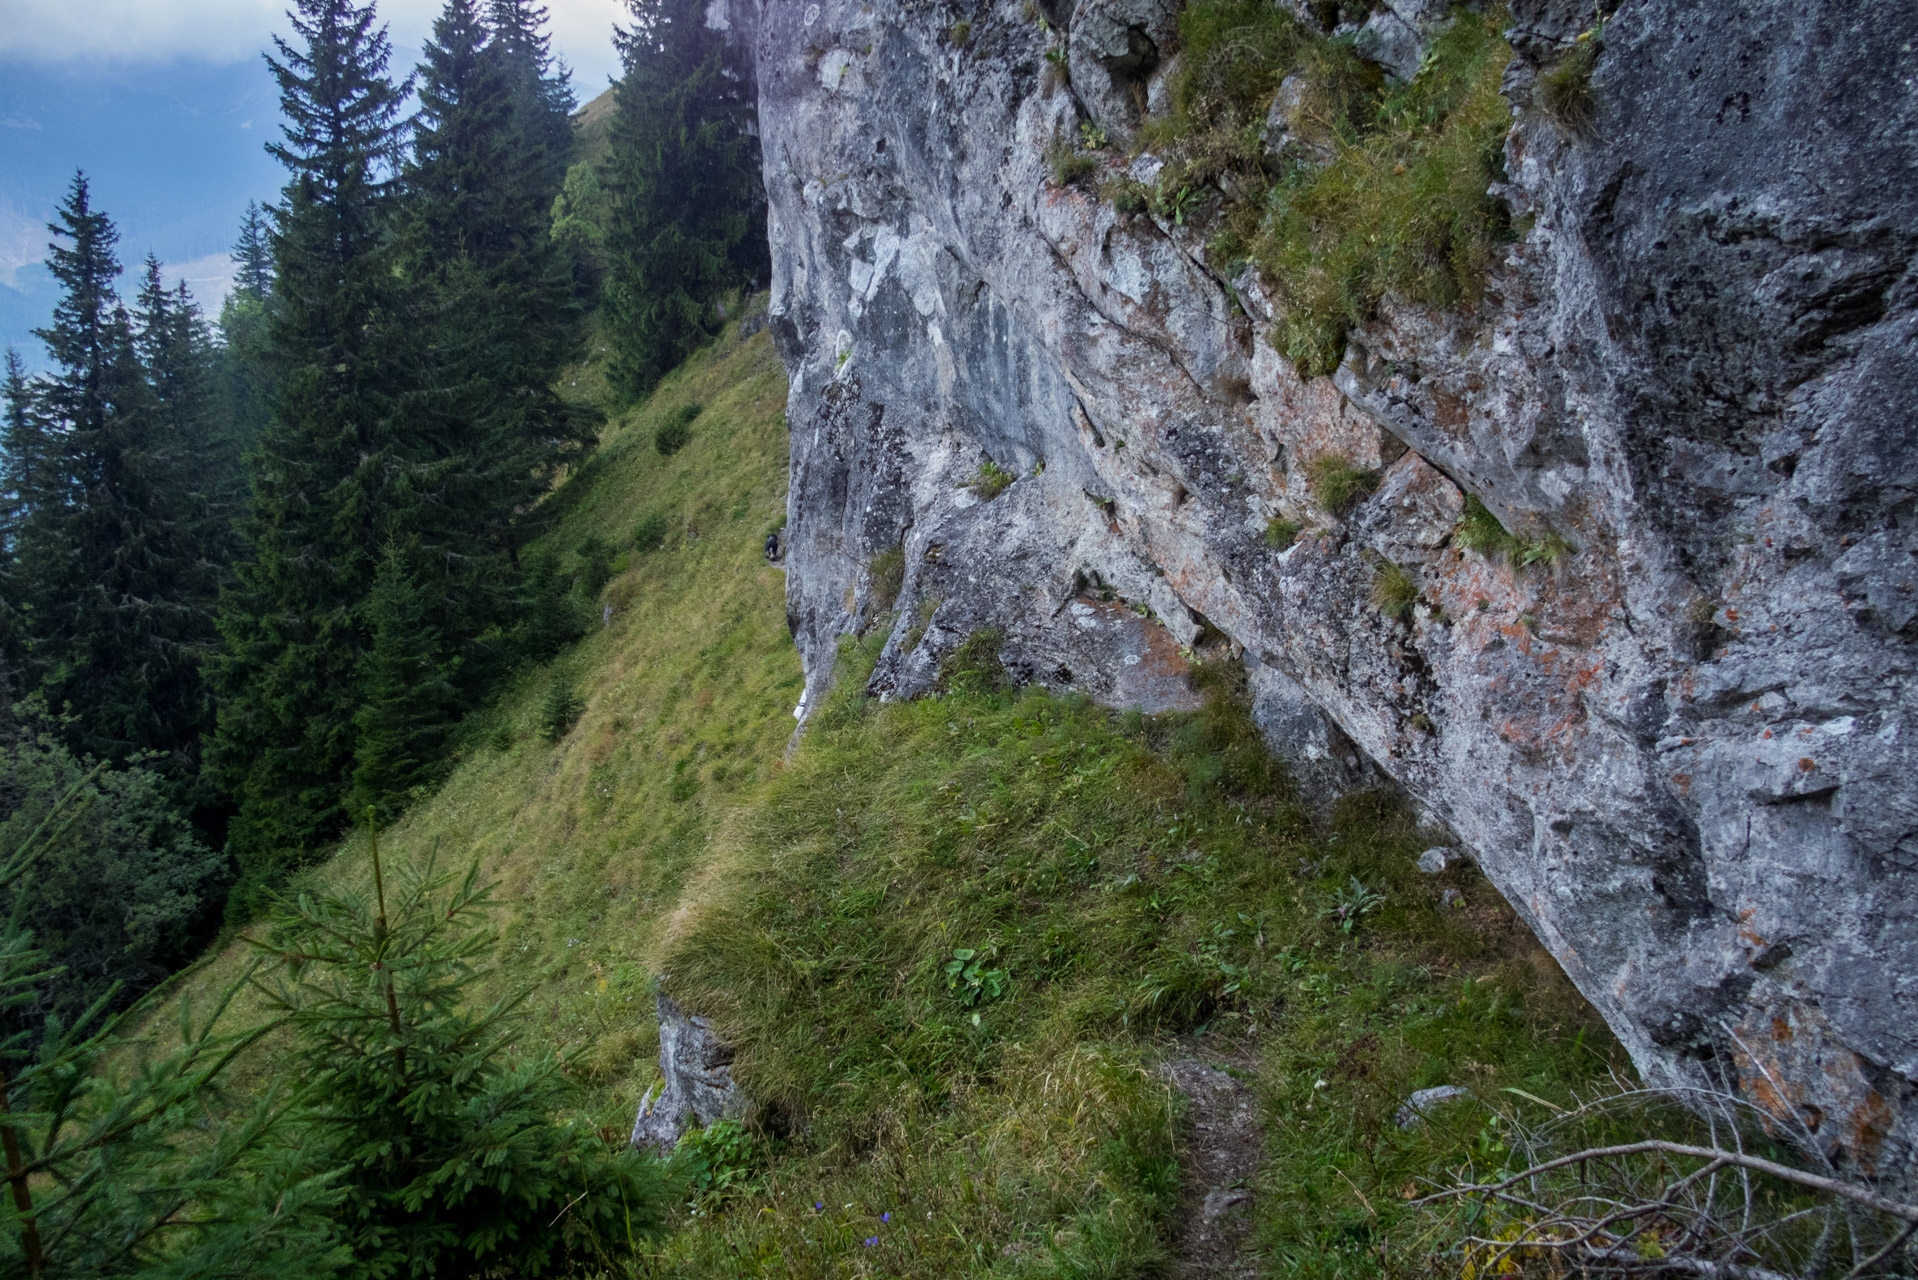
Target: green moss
1337, 484
1394, 592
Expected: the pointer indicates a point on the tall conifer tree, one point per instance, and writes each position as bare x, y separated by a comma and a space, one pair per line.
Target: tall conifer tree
406, 700
326, 470
688, 214
245, 371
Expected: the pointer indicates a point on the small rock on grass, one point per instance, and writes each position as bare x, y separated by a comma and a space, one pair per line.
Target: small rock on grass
1433, 861
1411, 1114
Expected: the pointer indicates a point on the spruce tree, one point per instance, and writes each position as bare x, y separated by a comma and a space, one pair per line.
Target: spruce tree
245, 367
543, 88
253, 254
114, 586
497, 302
406, 700
687, 201
327, 475
453, 1149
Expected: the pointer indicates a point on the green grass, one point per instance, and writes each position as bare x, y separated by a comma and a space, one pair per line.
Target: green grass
1280, 532
1127, 888
1480, 531
1400, 205
961, 932
1565, 92
1538, 544
1070, 166
1338, 484
990, 480
1394, 592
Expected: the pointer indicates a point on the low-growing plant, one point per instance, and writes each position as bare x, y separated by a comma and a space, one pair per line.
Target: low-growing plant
990, 481
1280, 532
1070, 166
888, 573
674, 433
717, 1162
1542, 545
1480, 531
1125, 193
1092, 137
1565, 92
1337, 483
961, 32
650, 533
595, 566
1394, 592
974, 667
1351, 902
969, 979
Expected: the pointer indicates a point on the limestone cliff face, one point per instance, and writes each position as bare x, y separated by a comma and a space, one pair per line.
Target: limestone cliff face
1688, 752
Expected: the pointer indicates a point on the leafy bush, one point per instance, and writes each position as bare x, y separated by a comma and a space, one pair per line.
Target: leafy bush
990, 481
1338, 484
717, 1162
650, 533
123, 891
674, 433
1394, 592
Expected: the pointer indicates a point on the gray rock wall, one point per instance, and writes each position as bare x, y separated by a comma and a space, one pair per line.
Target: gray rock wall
1685, 753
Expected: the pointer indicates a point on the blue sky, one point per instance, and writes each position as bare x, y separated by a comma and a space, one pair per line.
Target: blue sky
167, 105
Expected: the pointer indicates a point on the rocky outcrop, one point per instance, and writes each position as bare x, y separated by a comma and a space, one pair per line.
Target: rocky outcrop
696, 1080
1685, 752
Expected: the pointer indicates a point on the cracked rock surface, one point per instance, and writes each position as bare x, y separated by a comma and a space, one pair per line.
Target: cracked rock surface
1687, 752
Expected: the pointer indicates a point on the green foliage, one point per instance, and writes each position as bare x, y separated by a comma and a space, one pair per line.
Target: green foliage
716, 1162
110, 1171
121, 895
1338, 484
451, 1146
595, 559
408, 702
1480, 531
581, 212
1280, 532
554, 616
888, 572
687, 218
1402, 206
961, 32
974, 667
561, 709
677, 431
1541, 545
1118, 884
1070, 166
1394, 593
650, 533
1565, 92
990, 481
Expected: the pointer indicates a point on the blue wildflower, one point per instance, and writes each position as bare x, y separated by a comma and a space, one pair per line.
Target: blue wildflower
871, 1241
885, 1217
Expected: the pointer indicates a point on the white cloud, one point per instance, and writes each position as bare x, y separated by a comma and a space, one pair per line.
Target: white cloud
19, 122
23, 241
208, 279
222, 31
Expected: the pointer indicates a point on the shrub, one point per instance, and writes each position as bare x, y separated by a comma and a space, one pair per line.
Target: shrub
1394, 592
990, 481
650, 533
1338, 484
673, 433
1280, 533
888, 570
961, 32
1070, 166
561, 709
1565, 92
595, 567
717, 1162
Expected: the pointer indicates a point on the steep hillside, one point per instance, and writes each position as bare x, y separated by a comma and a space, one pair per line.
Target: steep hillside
992, 962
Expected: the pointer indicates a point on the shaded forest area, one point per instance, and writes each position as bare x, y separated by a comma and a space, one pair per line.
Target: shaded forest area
254, 570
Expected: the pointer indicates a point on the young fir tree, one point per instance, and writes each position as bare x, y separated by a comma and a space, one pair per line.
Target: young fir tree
115, 585
24, 448
500, 309
407, 700
450, 1137
245, 375
687, 201
329, 478
110, 1171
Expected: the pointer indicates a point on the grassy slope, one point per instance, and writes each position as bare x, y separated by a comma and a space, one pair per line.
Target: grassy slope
1132, 889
